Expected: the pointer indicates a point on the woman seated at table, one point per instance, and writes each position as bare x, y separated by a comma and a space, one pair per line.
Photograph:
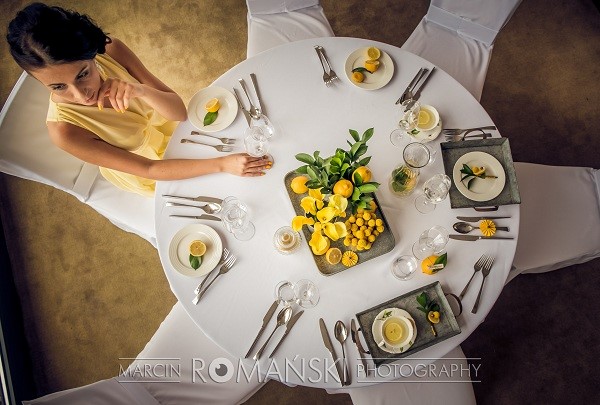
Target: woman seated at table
106, 108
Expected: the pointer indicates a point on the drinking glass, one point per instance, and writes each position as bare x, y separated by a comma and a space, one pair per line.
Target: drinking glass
265, 124
284, 292
431, 241
286, 240
256, 142
236, 218
435, 190
404, 267
307, 293
410, 117
404, 178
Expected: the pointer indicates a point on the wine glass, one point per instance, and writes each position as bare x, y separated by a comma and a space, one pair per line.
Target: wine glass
435, 190
404, 267
307, 293
265, 124
284, 292
431, 241
410, 117
256, 141
236, 218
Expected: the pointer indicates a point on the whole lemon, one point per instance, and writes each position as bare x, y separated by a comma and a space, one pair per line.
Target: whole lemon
365, 173
343, 187
298, 185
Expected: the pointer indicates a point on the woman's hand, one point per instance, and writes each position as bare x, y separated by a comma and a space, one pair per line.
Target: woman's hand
242, 164
119, 92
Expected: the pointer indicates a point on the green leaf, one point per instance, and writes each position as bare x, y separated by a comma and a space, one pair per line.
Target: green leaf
364, 161
435, 307
422, 299
469, 183
326, 190
195, 261
210, 117
354, 135
362, 149
313, 184
324, 177
305, 158
367, 135
367, 188
361, 69
355, 194
361, 204
443, 259
358, 179
354, 148
302, 170
311, 173
344, 167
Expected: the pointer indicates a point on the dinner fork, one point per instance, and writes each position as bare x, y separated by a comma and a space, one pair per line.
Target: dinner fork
254, 111
226, 141
478, 265
326, 77
456, 138
332, 75
484, 271
225, 267
223, 258
220, 148
458, 131
209, 208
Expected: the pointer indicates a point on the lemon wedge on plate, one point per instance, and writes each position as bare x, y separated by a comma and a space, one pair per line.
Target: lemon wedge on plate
212, 105
373, 53
197, 248
372, 65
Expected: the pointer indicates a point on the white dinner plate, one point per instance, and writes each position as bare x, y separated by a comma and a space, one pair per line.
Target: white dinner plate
227, 112
378, 333
372, 81
481, 189
179, 249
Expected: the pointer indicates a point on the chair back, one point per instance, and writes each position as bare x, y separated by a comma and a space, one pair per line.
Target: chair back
481, 20
256, 7
27, 150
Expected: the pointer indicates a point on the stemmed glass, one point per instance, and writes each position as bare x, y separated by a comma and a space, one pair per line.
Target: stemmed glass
432, 241
307, 293
407, 123
263, 122
236, 218
435, 190
256, 141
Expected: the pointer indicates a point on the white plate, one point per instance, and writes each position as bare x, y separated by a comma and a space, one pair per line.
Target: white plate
481, 189
227, 112
179, 249
372, 81
378, 334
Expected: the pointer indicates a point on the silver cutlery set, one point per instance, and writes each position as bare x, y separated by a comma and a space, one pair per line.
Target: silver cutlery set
341, 334
256, 110
464, 228
285, 317
210, 207
225, 264
329, 76
413, 90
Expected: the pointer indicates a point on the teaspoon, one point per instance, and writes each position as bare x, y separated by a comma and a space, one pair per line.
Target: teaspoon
282, 318
341, 333
463, 227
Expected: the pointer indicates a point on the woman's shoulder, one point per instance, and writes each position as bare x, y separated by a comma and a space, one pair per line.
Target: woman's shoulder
120, 53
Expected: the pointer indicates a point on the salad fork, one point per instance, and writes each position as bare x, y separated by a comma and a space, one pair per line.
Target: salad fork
220, 148
224, 257
484, 271
326, 77
459, 131
226, 141
456, 138
332, 75
225, 267
477, 267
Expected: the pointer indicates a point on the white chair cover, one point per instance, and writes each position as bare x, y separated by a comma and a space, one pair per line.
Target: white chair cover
449, 389
171, 370
275, 22
560, 217
458, 36
179, 341
28, 152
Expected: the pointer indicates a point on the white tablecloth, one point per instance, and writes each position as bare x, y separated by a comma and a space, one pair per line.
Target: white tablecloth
310, 117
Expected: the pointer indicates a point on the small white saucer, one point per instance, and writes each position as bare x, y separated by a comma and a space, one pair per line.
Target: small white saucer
378, 334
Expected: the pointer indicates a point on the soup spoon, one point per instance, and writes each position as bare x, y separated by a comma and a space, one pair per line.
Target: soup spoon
282, 318
463, 227
341, 333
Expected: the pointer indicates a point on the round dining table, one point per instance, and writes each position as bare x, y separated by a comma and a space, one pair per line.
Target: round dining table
310, 116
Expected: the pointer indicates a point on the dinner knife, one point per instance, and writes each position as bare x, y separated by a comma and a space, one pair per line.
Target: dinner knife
356, 340
266, 320
203, 216
289, 326
411, 85
199, 198
244, 111
476, 237
329, 346
418, 88
476, 219
255, 87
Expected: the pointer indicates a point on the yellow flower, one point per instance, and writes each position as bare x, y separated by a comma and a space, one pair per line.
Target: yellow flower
335, 231
326, 214
299, 221
316, 194
318, 243
339, 203
310, 205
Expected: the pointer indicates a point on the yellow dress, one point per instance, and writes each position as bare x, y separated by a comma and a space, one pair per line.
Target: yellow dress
140, 130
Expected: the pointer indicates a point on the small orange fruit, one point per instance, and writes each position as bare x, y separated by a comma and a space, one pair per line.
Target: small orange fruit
371, 65
343, 187
298, 185
358, 77
365, 173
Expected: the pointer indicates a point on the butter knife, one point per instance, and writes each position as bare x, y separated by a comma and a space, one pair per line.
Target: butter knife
199, 198
255, 87
287, 331
329, 346
244, 111
203, 216
475, 237
476, 219
411, 85
356, 340
266, 320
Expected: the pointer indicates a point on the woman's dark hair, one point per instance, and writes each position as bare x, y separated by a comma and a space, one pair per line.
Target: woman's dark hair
42, 35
